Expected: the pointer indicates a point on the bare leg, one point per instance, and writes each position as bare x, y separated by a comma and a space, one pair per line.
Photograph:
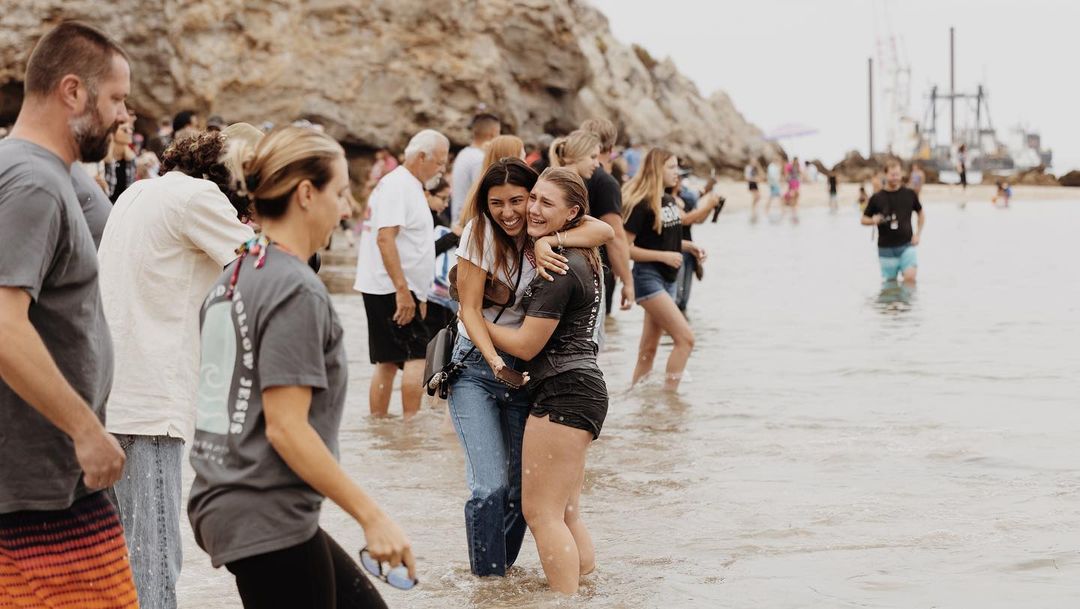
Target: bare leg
909, 276
650, 340
666, 315
382, 387
586, 550
411, 391
553, 458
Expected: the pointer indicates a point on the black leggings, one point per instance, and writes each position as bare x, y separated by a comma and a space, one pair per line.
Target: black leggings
316, 574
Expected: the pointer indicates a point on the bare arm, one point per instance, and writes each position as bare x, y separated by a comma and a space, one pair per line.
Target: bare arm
702, 211
470, 288
591, 233
876, 219
524, 342
917, 237
386, 240
27, 367
618, 253
641, 254
618, 250
303, 450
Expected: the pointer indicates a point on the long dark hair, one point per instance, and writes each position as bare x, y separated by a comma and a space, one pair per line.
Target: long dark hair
508, 170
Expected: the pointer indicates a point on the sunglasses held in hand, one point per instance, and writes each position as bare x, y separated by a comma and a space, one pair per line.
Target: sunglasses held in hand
398, 576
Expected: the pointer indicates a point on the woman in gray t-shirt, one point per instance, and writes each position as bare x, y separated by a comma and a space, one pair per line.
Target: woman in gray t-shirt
271, 394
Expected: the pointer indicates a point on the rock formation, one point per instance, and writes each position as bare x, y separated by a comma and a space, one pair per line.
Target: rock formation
1070, 179
374, 72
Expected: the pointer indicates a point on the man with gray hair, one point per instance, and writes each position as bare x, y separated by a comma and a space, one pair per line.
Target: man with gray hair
394, 270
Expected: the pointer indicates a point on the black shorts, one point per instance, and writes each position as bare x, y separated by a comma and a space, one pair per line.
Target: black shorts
753, 185
438, 317
389, 342
577, 398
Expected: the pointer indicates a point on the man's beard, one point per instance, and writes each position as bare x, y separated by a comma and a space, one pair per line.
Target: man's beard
433, 182
90, 133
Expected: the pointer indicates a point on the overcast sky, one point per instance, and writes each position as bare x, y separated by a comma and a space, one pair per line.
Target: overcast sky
804, 61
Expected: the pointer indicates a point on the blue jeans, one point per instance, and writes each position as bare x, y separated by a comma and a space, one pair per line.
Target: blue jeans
148, 499
490, 421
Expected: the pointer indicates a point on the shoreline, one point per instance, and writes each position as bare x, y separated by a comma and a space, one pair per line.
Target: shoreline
816, 194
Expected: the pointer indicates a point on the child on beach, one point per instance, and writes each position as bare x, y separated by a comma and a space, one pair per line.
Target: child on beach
863, 198
1004, 192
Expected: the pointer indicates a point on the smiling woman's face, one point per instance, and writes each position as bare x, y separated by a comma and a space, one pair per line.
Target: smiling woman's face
508, 204
548, 210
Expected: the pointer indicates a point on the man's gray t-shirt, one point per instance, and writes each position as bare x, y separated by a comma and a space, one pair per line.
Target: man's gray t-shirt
95, 205
48, 251
279, 329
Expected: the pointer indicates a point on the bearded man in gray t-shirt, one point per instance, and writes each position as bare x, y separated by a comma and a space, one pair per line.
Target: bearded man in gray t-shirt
56, 361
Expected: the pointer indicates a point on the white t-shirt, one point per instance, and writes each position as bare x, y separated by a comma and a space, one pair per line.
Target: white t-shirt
398, 200
514, 314
166, 242
467, 167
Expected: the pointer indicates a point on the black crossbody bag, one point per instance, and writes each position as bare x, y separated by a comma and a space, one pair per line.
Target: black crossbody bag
440, 369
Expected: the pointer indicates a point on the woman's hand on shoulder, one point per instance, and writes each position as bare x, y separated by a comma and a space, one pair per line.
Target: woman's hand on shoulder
548, 260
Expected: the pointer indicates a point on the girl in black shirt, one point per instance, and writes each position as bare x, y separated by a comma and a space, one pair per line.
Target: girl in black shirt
567, 390
654, 223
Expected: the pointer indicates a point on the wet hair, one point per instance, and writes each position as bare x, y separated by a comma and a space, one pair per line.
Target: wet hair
572, 148
70, 48
603, 129
276, 166
647, 186
575, 194
510, 170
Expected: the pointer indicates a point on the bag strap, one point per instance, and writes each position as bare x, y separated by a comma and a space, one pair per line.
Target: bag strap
517, 282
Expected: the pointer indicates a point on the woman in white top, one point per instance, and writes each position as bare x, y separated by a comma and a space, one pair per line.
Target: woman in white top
166, 241
488, 416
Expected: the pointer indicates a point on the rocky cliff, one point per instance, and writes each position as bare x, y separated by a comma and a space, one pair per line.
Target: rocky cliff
375, 71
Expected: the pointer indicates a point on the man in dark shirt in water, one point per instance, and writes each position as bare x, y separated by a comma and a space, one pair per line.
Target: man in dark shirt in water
890, 210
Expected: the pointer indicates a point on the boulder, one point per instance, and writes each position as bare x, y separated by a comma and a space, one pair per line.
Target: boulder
375, 72
1070, 179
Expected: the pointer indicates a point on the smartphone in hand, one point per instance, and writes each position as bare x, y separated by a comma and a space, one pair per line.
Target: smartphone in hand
508, 376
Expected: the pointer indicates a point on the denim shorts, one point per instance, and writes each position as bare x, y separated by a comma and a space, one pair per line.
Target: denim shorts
649, 283
896, 260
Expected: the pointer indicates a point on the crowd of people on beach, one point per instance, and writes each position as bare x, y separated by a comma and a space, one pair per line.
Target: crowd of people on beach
172, 280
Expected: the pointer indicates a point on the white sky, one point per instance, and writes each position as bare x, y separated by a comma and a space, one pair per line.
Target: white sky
804, 61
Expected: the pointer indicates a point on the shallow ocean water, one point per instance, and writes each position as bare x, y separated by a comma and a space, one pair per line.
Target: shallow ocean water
835, 444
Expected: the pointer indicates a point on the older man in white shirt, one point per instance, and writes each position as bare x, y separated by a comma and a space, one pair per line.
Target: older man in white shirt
394, 270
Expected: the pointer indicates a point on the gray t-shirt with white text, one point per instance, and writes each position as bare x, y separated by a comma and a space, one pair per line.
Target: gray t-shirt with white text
48, 251
279, 329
